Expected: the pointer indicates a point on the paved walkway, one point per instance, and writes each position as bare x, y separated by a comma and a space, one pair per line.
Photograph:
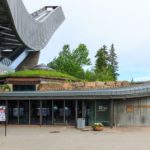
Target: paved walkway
69, 138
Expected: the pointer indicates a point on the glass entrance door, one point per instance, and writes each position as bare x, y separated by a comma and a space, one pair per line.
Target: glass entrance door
46, 112
58, 112
103, 112
70, 113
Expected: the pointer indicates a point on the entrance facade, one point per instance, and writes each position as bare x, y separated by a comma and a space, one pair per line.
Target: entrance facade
57, 112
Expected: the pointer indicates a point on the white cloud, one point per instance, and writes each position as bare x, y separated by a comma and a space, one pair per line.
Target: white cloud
142, 79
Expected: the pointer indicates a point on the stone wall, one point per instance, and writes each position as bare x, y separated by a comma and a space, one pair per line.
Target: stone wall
81, 85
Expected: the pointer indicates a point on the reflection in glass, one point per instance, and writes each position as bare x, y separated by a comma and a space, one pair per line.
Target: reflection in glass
12, 112
46, 112
35, 115
103, 112
2, 103
58, 109
24, 112
90, 112
70, 112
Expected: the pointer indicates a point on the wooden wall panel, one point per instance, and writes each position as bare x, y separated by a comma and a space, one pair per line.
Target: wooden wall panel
133, 112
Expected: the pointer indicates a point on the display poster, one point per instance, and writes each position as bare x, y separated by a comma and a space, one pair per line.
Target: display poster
2, 114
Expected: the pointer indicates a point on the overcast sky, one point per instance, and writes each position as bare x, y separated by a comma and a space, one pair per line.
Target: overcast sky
126, 23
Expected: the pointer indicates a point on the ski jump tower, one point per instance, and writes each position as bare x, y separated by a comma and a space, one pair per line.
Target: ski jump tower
23, 35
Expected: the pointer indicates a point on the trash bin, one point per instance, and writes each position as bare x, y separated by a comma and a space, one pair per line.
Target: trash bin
80, 123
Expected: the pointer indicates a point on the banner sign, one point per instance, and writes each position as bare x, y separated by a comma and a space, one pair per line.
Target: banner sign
2, 113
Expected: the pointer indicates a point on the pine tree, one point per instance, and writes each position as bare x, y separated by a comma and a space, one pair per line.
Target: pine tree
113, 62
102, 67
102, 59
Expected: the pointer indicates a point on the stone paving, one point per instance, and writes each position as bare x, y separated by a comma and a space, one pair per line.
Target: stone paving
69, 138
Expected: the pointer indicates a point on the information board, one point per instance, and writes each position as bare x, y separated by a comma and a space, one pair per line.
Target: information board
2, 114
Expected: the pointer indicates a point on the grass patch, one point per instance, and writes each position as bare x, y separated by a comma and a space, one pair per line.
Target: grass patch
41, 73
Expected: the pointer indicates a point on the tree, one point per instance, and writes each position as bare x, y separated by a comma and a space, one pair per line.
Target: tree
113, 62
90, 75
102, 59
71, 62
105, 75
106, 66
80, 54
61, 62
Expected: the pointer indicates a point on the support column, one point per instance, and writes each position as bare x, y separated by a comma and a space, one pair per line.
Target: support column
52, 112
64, 112
112, 113
29, 112
18, 117
40, 112
83, 109
76, 110
95, 112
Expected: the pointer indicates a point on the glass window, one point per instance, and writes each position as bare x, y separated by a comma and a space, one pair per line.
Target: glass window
13, 112
103, 112
46, 112
58, 109
35, 112
70, 112
24, 87
90, 112
24, 112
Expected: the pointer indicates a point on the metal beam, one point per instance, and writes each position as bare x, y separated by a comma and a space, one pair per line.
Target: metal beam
5, 28
7, 34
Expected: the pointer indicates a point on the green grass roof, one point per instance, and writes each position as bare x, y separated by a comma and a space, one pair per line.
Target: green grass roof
41, 73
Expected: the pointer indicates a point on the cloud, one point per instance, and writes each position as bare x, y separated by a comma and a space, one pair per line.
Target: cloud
146, 78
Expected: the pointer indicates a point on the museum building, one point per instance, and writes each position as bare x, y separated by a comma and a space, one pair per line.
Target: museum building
28, 103
47, 101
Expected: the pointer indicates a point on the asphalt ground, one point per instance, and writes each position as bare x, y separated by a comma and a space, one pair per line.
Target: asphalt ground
70, 138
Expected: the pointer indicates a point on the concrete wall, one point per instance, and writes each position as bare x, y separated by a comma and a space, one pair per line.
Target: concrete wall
133, 112
30, 61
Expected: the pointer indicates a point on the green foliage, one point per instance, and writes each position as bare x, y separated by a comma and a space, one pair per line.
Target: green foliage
41, 73
90, 75
105, 75
80, 55
106, 66
71, 62
102, 59
113, 62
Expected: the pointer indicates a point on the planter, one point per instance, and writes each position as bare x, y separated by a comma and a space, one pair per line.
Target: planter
98, 128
